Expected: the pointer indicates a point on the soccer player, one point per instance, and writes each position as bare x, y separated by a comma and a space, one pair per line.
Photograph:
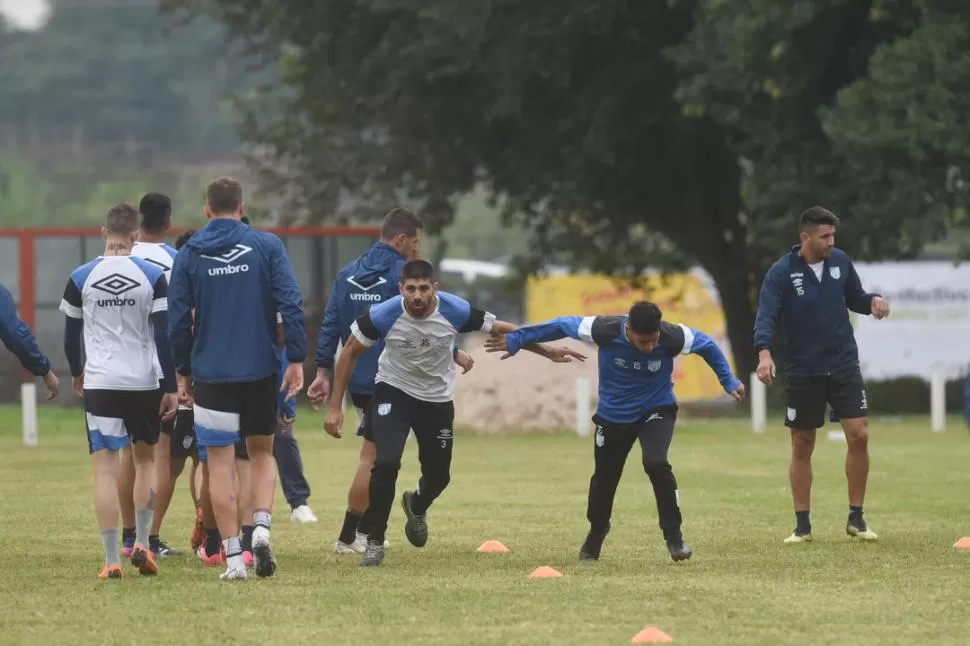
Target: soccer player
237, 279
18, 338
176, 443
636, 402
371, 279
116, 304
415, 384
811, 290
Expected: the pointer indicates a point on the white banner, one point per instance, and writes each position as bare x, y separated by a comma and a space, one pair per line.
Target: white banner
929, 323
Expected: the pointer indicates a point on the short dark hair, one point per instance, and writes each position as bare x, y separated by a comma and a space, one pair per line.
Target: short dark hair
122, 219
645, 317
816, 215
155, 209
183, 238
400, 220
417, 270
223, 195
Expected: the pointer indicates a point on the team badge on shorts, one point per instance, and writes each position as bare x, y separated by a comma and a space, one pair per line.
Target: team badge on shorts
600, 438
383, 409
791, 414
187, 442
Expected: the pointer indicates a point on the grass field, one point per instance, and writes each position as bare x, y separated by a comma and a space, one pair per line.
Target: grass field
743, 586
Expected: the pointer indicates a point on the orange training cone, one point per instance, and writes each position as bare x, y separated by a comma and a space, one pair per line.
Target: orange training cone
492, 547
651, 635
545, 572
963, 543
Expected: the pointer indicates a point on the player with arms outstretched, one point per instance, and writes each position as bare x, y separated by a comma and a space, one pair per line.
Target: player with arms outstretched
415, 385
636, 402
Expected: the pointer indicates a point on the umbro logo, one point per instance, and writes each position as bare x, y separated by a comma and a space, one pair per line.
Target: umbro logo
231, 255
353, 281
116, 285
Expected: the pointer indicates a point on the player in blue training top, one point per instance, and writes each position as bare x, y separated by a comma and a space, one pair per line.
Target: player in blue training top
808, 292
636, 401
17, 337
236, 279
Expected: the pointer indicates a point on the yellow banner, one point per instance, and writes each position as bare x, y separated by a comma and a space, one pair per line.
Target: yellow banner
682, 298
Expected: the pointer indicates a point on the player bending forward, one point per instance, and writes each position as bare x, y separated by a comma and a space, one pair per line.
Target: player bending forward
117, 304
415, 385
636, 402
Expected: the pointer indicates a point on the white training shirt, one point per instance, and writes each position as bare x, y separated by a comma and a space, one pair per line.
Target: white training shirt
163, 256
115, 297
418, 356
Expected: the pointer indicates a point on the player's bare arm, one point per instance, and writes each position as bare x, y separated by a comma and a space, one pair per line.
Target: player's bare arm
556, 355
342, 371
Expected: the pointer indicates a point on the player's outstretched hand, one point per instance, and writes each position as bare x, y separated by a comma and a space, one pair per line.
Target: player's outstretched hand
880, 307
738, 393
498, 344
465, 360
53, 384
292, 381
334, 423
78, 383
565, 355
319, 390
168, 407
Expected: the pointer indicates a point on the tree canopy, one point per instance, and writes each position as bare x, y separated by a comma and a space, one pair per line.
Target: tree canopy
622, 133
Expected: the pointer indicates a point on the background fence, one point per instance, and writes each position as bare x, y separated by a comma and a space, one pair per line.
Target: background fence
35, 265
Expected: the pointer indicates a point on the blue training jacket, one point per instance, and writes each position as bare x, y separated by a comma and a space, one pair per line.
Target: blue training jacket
632, 383
236, 278
814, 313
18, 338
371, 279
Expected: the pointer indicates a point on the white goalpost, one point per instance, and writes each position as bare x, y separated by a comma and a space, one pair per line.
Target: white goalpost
28, 407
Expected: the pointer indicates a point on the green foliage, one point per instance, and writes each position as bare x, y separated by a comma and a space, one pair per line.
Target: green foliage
109, 74
621, 134
25, 196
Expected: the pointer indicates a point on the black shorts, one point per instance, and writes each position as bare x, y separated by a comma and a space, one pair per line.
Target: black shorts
394, 412
806, 398
182, 434
115, 417
226, 413
361, 403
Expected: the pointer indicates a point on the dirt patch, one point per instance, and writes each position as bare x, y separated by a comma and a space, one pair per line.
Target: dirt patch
525, 393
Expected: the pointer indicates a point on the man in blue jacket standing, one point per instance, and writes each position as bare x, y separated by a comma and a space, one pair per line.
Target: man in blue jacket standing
18, 338
236, 279
370, 279
811, 289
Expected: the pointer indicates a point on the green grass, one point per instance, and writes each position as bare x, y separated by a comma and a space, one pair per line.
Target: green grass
743, 586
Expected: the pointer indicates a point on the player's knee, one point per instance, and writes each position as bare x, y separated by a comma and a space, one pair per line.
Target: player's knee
386, 468
857, 435
654, 467
802, 444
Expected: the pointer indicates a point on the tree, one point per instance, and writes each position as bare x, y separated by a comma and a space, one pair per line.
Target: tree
622, 133
903, 128
108, 74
